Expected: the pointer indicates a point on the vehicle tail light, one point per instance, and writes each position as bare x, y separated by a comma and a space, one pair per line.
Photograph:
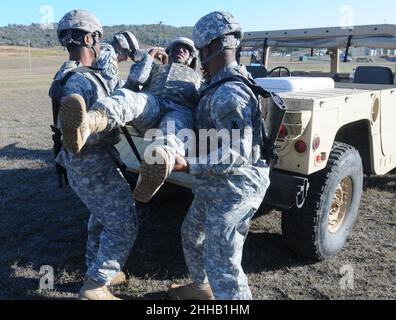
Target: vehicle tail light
283, 133
316, 143
300, 146
321, 158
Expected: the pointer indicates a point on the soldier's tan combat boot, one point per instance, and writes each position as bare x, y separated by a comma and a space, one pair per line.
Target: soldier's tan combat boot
152, 175
95, 291
191, 292
78, 124
118, 280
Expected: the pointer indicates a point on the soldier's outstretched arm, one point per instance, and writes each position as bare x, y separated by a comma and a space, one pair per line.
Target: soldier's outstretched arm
231, 112
140, 73
108, 62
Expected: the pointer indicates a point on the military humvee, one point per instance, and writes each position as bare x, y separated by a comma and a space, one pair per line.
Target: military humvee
334, 132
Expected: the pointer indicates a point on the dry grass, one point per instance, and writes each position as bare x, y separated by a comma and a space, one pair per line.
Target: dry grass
43, 225
14, 51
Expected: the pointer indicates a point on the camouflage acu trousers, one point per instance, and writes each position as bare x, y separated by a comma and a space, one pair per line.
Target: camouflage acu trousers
145, 111
172, 124
113, 224
213, 233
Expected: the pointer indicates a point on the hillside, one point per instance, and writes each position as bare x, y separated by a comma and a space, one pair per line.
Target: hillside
147, 34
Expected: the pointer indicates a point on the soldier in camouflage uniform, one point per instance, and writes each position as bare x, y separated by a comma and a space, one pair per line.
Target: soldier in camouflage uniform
93, 174
123, 45
175, 85
167, 100
227, 192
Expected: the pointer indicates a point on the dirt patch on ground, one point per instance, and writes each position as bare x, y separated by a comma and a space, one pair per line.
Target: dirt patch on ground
43, 225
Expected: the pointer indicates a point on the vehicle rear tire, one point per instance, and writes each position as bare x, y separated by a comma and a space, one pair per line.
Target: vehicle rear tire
320, 229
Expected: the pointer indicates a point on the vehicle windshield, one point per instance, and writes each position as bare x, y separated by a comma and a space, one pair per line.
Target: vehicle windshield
359, 45
300, 61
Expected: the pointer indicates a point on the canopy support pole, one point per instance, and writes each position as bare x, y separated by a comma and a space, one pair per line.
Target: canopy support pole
335, 60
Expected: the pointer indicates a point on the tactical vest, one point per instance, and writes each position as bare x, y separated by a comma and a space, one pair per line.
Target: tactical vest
269, 150
176, 82
55, 94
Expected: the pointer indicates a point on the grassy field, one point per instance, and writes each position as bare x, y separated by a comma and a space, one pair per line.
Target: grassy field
43, 225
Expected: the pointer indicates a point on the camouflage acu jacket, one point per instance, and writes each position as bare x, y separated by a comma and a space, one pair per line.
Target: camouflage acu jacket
175, 85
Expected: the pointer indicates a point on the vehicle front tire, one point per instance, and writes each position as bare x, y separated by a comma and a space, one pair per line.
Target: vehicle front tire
320, 229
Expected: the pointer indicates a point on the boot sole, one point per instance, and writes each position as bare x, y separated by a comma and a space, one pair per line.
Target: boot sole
72, 114
178, 294
152, 178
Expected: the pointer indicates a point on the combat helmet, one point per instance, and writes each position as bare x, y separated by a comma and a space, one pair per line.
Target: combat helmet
185, 41
217, 25
78, 20
127, 41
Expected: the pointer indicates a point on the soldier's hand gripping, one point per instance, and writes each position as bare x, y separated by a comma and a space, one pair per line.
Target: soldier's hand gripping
181, 165
159, 54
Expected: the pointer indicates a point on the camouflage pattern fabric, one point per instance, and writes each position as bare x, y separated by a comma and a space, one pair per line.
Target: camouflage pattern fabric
176, 85
169, 95
226, 194
213, 26
213, 235
108, 62
123, 42
95, 178
171, 124
124, 106
132, 45
113, 224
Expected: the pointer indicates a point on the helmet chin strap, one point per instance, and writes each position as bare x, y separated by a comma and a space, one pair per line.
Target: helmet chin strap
97, 54
227, 42
210, 57
92, 47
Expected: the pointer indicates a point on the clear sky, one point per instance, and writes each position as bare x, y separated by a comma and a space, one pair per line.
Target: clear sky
253, 14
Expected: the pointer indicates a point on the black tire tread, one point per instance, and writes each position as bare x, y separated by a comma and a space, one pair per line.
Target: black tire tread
300, 229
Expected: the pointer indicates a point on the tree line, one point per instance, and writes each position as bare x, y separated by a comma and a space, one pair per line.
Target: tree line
149, 35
